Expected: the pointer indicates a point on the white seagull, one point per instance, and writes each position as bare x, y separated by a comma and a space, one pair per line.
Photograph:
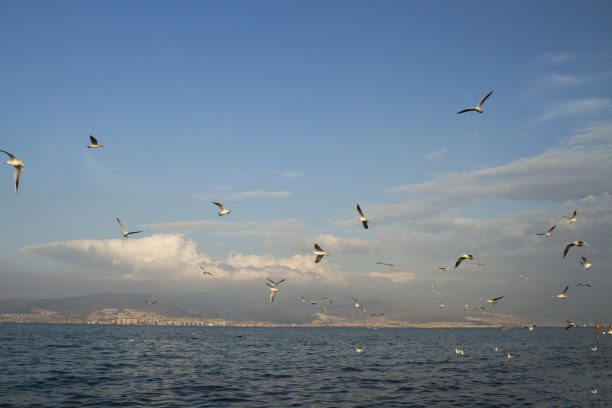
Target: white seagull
585, 262
547, 233
319, 306
358, 306
458, 351
466, 307
124, 232
94, 143
443, 268
205, 272
525, 277
479, 107
327, 300
571, 218
434, 290
562, 295
462, 257
362, 217
570, 325
17, 164
510, 355
222, 210
273, 291
358, 349
574, 243
530, 327
320, 253
273, 285
492, 301
442, 305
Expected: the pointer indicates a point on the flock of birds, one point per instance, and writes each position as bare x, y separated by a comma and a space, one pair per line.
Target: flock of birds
19, 166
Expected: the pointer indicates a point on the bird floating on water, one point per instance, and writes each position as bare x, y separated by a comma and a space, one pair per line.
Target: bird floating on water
547, 233
459, 351
362, 217
510, 355
222, 209
571, 218
477, 108
124, 232
462, 258
320, 253
94, 143
17, 164
358, 349
585, 262
574, 243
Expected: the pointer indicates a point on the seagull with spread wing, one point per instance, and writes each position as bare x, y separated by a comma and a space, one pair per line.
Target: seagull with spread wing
477, 108
94, 143
17, 164
320, 253
573, 243
362, 217
571, 218
124, 232
222, 209
547, 233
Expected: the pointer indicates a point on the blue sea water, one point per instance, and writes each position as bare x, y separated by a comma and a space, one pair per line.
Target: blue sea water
137, 366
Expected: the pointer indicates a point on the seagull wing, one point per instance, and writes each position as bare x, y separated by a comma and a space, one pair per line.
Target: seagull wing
466, 110
497, 298
459, 260
565, 290
121, 225
484, 99
17, 174
359, 210
318, 258
317, 247
10, 155
221, 206
94, 141
567, 247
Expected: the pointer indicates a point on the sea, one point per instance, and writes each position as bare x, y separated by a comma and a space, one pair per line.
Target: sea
47, 365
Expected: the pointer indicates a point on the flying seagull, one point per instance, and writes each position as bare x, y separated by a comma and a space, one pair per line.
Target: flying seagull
17, 164
530, 327
358, 306
462, 257
442, 305
574, 243
205, 272
319, 306
571, 218
385, 263
327, 300
358, 349
466, 307
362, 217
583, 284
562, 295
547, 233
304, 299
273, 285
222, 210
570, 325
585, 262
443, 268
525, 277
493, 301
479, 308
152, 301
479, 107
94, 143
434, 290
319, 253
125, 233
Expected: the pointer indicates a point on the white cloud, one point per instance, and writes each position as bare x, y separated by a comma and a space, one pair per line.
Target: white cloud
396, 277
291, 173
259, 194
556, 57
597, 133
331, 244
288, 227
554, 79
576, 107
436, 155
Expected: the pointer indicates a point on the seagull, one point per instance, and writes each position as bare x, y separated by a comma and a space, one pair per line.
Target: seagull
571, 244
357, 305
152, 301
530, 327
385, 263
570, 325
492, 301
442, 305
304, 299
594, 348
125, 233
273, 285
547, 233
462, 257
571, 218
583, 284
94, 143
358, 349
466, 307
327, 300
273, 291
319, 253
319, 306
562, 295
222, 210
585, 262
377, 314
479, 307
443, 268
362, 217
205, 272
17, 164
496, 348
434, 290
510, 355
595, 390
479, 107
525, 277
457, 351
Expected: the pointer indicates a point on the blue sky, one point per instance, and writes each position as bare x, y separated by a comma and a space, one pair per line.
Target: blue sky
290, 113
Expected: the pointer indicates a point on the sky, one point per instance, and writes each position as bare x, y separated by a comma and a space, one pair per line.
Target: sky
290, 113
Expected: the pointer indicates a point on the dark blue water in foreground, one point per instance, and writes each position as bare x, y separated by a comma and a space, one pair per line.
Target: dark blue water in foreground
103, 366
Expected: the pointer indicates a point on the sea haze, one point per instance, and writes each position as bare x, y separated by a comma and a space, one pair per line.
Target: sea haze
101, 366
